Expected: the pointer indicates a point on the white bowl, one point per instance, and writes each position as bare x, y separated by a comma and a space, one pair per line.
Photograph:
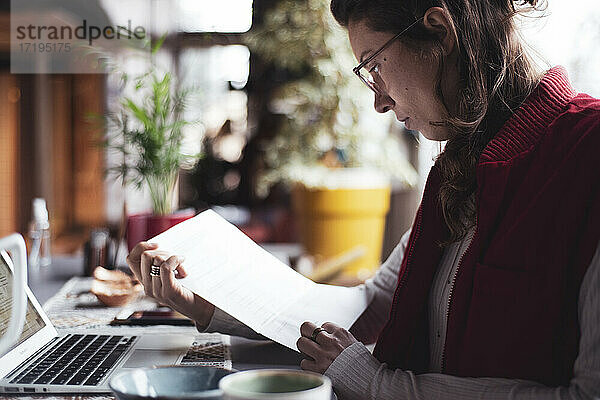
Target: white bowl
280, 384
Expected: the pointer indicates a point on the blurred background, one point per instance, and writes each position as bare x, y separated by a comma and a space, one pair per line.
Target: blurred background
258, 97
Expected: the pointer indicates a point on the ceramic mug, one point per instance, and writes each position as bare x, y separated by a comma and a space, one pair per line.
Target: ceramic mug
16, 246
281, 384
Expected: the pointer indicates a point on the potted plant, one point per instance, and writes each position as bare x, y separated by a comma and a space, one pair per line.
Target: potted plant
326, 149
146, 131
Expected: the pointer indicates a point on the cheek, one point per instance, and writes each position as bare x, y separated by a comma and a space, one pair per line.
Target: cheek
416, 82
412, 87
404, 87
397, 87
422, 102
409, 99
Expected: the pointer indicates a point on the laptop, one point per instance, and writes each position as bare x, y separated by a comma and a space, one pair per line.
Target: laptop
44, 361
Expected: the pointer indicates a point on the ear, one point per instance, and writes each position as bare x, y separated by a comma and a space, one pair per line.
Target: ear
438, 21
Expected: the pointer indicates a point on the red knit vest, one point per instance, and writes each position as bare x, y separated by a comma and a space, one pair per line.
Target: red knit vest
513, 308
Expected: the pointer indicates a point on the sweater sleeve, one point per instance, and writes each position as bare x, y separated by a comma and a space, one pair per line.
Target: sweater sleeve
380, 289
357, 374
222, 322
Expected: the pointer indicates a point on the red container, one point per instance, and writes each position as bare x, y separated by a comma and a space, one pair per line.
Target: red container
141, 227
136, 229
156, 224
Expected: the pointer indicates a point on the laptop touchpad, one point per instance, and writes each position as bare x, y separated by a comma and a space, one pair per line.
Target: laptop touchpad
147, 358
152, 350
164, 342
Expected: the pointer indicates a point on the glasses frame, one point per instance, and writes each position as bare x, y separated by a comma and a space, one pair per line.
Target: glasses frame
367, 60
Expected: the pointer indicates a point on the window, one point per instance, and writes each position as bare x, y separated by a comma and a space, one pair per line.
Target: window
198, 51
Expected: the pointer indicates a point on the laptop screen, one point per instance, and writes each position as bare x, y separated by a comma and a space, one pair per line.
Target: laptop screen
33, 320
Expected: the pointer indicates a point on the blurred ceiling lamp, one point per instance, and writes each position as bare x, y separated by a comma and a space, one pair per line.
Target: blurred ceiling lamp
230, 147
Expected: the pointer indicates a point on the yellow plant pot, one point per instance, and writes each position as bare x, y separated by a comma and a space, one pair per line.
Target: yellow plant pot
334, 221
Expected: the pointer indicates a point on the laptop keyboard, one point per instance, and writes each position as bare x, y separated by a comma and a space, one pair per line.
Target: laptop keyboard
77, 360
204, 352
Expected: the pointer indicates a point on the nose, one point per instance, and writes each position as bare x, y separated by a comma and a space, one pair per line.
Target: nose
383, 103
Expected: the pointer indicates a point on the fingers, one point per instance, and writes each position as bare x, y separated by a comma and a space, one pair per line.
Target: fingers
161, 287
328, 344
180, 269
157, 288
308, 347
134, 258
307, 329
309, 365
167, 278
155, 284
146, 260
330, 327
139, 248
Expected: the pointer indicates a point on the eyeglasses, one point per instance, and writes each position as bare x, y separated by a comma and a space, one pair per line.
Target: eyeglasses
367, 75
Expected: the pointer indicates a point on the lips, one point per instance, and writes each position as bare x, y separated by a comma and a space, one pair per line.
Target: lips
406, 122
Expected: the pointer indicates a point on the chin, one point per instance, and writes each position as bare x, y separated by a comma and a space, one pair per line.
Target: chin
433, 137
437, 134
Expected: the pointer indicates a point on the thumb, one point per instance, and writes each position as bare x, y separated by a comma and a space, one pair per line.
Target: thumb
181, 271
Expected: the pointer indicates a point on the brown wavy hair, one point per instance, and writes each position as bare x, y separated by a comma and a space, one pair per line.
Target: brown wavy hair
496, 75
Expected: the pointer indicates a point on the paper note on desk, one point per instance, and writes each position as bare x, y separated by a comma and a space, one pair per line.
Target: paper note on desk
232, 272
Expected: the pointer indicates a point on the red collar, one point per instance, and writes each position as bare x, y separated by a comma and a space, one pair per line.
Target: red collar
530, 121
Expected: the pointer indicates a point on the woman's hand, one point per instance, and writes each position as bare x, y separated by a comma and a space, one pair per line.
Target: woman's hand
164, 287
327, 345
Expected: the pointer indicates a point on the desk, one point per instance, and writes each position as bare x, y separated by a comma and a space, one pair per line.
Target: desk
245, 353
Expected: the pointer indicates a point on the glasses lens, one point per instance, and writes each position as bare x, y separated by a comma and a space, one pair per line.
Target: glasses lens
368, 79
367, 75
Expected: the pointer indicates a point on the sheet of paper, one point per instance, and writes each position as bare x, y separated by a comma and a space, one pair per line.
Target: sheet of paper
232, 272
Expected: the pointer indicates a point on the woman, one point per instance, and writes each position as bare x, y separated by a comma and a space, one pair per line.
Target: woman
493, 292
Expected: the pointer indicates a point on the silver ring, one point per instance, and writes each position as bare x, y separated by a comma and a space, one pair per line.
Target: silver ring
317, 330
155, 270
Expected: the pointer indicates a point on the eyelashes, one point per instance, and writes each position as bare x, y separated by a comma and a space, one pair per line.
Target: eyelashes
375, 69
